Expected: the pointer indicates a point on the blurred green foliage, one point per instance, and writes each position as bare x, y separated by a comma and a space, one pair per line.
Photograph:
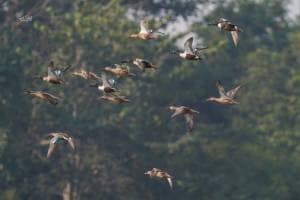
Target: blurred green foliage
245, 152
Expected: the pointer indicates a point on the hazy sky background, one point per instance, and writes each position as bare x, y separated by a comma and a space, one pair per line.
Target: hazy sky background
294, 8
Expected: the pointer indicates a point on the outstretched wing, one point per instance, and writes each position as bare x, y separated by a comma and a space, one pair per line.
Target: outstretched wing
232, 93
51, 98
188, 45
51, 147
104, 80
170, 182
177, 112
189, 120
51, 73
235, 37
143, 27
51, 69
220, 89
66, 68
71, 143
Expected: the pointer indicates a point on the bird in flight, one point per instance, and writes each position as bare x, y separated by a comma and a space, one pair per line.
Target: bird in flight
228, 26
43, 96
56, 138
160, 174
145, 33
226, 98
187, 112
142, 64
189, 53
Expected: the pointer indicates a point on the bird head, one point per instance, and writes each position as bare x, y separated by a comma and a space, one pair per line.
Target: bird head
171, 107
147, 173
211, 99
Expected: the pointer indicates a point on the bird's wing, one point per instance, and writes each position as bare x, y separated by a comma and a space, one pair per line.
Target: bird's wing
50, 98
140, 63
188, 45
94, 76
51, 147
170, 182
47, 95
143, 27
66, 68
232, 93
57, 72
220, 88
156, 170
51, 72
194, 111
71, 142
235, 37
104, 80
112, 82
189, 120
146, 63
177, 112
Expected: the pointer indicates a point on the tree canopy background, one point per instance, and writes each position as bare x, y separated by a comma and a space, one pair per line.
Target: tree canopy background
244, 152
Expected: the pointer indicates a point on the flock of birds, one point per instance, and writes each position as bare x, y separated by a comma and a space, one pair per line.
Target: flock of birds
111, 94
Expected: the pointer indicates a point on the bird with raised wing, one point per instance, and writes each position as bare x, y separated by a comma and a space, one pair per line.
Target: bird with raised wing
53, 76
43, 96
115, 99
106, 86
187, 112
58, 71
226, 98
228, 26
160, 174
119, 70
142, 64
189, 52
145, 33
56, 138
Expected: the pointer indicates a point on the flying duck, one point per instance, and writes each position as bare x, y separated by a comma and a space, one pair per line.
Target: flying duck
226, 98
226, 25
87, 75
44, 96
56, 70
158, 173
189, 53
145, 33
57, 137
187, 112
54, 75
142, 64
119, 70
115, 99
107, 86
